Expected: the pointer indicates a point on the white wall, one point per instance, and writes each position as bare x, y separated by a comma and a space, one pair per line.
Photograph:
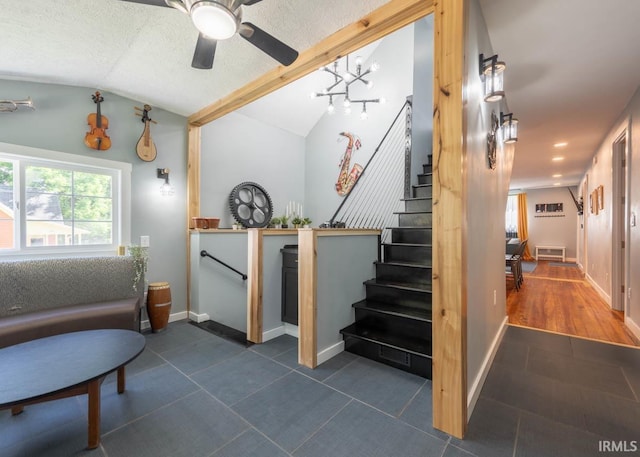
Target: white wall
344, 263
323, 150
236, 148
598, 228
59, 123
217, 291
422, 113
486, 198
552, 229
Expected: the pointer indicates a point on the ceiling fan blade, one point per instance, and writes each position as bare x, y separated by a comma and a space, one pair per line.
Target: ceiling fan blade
149, 2
204, 53
268, 44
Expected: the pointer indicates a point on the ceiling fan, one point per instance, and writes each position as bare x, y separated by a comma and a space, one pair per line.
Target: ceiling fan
219, 20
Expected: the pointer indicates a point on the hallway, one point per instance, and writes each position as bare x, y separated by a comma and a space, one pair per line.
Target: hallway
558, 299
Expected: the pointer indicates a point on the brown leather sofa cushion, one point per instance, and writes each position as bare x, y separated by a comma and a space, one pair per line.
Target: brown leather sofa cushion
123, 313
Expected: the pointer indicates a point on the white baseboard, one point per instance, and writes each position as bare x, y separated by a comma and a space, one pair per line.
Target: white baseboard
330, 352
635, 329
172, 318
284, 329
476, 387
197, 318
291, 329
605, 296
273, 333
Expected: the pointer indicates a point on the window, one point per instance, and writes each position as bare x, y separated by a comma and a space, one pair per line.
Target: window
511, 217
61, 206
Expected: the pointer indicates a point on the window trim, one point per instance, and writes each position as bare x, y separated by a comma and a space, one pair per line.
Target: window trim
120, 170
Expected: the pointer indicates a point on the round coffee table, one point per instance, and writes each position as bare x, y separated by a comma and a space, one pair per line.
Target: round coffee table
66, 365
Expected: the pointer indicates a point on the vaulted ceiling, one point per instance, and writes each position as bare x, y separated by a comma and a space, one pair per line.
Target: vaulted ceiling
571, 65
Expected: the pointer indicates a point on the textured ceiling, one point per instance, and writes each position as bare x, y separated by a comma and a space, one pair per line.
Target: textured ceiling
572, 66
144, 52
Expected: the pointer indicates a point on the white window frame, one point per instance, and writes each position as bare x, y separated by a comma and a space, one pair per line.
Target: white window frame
121, 188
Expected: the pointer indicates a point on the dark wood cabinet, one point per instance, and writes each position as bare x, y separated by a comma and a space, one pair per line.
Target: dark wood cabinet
290, 284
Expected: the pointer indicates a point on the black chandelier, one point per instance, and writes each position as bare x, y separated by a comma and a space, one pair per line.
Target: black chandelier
347, 77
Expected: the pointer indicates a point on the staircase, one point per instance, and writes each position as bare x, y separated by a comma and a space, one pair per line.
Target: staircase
393, 324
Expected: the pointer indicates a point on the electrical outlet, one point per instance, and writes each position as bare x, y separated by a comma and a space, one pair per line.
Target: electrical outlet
144, 241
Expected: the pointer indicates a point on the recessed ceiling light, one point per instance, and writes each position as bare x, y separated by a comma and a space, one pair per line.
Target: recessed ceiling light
557, 176
562, 144
557, 159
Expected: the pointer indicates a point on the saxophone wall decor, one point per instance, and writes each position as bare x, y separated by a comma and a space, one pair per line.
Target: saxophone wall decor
346, 178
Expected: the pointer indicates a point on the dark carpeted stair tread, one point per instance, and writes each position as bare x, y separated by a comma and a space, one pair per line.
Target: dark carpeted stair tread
415, 245
395, 310
413, 212
399, 285
400, 263
415, 346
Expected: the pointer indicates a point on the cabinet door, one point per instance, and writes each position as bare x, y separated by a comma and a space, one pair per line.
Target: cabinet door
290, 295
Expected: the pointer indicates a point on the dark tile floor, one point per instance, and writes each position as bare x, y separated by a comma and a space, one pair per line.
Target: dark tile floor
193, 394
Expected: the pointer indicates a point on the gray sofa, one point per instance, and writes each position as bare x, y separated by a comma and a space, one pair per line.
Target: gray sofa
40, 298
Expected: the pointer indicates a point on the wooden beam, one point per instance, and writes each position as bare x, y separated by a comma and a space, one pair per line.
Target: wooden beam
193, 172
193, 193
449, 273
387, 19
254, 286
307, 298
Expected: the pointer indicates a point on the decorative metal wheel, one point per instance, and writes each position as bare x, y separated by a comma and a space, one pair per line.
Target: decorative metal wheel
250, 205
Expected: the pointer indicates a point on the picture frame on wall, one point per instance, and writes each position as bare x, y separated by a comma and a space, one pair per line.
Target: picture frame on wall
600, 197
549, 208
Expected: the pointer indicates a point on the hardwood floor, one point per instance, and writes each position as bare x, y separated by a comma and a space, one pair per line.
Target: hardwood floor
559, 299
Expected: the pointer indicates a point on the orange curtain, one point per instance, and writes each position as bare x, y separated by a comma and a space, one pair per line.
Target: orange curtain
523, 226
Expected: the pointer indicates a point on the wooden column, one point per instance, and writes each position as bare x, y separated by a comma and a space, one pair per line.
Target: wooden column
254, 286
307, 298
449, 273
193, 193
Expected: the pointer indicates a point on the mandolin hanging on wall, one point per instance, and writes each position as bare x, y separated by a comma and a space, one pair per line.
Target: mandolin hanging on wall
145, 148
96, 137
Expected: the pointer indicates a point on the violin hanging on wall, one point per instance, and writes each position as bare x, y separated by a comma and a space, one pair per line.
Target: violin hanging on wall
145, 148
96, 137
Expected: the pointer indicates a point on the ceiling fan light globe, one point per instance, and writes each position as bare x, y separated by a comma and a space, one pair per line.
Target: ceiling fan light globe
214, 20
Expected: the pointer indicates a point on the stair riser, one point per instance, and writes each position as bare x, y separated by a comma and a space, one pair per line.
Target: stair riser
405, 361
416, 236
418, 205
425, 178
394, 296
400, 273
427, 168
413, 254
407, 327
415, 220
422, 191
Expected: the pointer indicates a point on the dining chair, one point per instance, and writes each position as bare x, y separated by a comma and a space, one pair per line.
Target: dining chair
514, 262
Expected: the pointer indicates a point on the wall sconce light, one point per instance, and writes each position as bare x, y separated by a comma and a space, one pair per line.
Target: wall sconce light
492, 73
166, 190
509, 127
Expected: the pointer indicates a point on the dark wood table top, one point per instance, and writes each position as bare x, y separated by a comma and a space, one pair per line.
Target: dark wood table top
48, 365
